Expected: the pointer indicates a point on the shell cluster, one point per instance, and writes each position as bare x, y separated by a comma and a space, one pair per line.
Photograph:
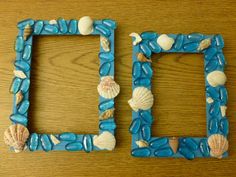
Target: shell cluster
104, 141
85, 25
218, 145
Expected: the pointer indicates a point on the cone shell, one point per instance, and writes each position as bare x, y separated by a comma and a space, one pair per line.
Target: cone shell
218, 145
204, 44
108, 88
27, 32
142, 58
16, 136
174, 144
165, 42
104, 141
85, 25
216, 78
109, 113
105, 43
142, 99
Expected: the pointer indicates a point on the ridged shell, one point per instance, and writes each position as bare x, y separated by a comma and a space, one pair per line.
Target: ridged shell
104, 141
165, 42
106, 114
105, 43
137, 38
216, 78
108, 88
85, 25
218, 145
16, 136
142, 143
174, 144
27, 32
223, 110
142, 99
19, 97
204, 44
141, 57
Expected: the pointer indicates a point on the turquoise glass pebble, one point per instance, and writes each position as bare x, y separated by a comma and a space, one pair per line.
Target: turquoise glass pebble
109, 23
146, 132
186, 153
179, 42
211, 65
190, 143
146, 116
27, 52
219, 41
51, 29
22, 24
46, 143
224, 126
148, 35
107, 57
135, 126
106, 105
25, 85
19, 45
191, 46
141, 152
24, 106
67, 136
165, 152
214, 109
15, 87
204, 148
213, 125
103, 30
105, 69
147, 70
38, 27
210, 53
87, 143
105, 125
22, 65
33, 142
154, 46
75, 146
142, 81
73, 26
223, 95
137, 69
195, 37
19, 119
158, 142
145, 50
62, 25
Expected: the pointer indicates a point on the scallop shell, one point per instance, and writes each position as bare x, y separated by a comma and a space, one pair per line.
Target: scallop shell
19, 74
174, 144
141, 57
19, 97
204, 44
108, 88
107, 114
16, 136
85, 25
223, 110
104, 141
27, 32
218, 145
142, 143
105, 43
216, 78
54, 140
137, 38
142, 99
165, 42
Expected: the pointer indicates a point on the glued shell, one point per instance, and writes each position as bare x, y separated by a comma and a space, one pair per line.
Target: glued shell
142, 58
174, 144
19, 74
85, 25
106, 114
137, 38
27, 32
223, 110
142, 143
165, 42
218, 145
54, 140
19, 97
105, 43
142, 99
216, 78
16, 136
204, 44
52, 22
209, 100
108, 88
104, 141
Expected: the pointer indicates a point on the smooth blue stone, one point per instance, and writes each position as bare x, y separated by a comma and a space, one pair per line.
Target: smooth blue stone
204, 148
38, 27
147, 69
46, 143
109, 23
19, 45
146, 116
135, 126
51, 29
33, 142
191, 46
219, 41
22, 65
165, 152
211, 65
67, 136
154, 46
142, 81
145, 50
224, 126
137, 70
27, 52
24, 106
87, 143
223, 95
195, 37
73, 26
146, 132
103, 30
141, 152
25, 85
16, 83
22, 24
179, 42
107, 125
214, 109
212, 92
148, 35
18, 118
108, 57
105, 69
210, 53
106, 105
221, 59
186, 153
77, 146
190, 143
213, 125
62, 25
158, 142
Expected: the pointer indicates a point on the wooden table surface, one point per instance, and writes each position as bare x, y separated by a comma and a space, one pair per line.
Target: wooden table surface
65, 76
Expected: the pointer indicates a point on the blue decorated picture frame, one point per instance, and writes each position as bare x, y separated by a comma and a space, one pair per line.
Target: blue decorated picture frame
143, 144
17, 135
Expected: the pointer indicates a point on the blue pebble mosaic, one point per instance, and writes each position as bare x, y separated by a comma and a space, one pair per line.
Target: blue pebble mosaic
23, 46
217, 123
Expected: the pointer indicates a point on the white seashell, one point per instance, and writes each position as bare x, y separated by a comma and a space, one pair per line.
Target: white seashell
218, 145
137, 37
19, 97
204, 44
165, 42
16, 136
109, 113
142, 143
108, 88
223, 110
216, 78
52, 22
209, 100
19, 74
54, 140
85, 25
105, 43
174, 144
142, 99
104, 141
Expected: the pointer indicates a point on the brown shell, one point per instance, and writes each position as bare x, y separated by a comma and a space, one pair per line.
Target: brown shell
27, 32
204, 44
174, 144
106, 114
141, 57
19, 97
218, 145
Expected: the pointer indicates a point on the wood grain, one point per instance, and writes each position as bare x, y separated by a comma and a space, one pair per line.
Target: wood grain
65, 75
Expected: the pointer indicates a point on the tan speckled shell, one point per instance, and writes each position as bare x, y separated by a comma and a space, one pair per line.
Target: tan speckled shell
218, 145
204, 44
142, 58
174, 144
85, 25
109, 113
216, 78
27, 32
104, 141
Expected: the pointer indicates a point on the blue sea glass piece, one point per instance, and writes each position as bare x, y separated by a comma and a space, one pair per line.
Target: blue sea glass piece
210, 53
76, 146
109, 23
25, 85
137, 69
141, 152
46, 143
195, 37
214, 109
103, 30
51, 29
146, 132
179, 42
148, 35
62, 25
164, 152
224, 126
186, 153
154, 47
146, 116
22, 24
16, 83
38, 27
219, 41
19, 45
213, 125
27, 52
106, 105
212, 65
212, 92
223, 95
107, 125
67, 136
191, 46
19, 119
87, 143
107, 57
24, 106
135, 126
33, 142
221, 59
142, 81
146, 68
73, 26
145, 50
22, 65
158, 142
204, 148
105, 69
190, 143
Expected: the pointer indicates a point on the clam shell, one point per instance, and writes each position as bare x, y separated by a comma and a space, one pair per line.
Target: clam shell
27, 32
174, 144
105, 43
165, 42
218, 145
216, 78
16, 136
104, 141
108, 88
223, 110
142, 143
142, 99
19, 97
141, 57
19, 74
109, 113
137, 38
85, 25
204, 44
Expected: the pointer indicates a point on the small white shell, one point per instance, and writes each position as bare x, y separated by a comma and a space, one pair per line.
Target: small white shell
216, 78
223, 110
209, 100
104, 141
142, 99
52, 22
108, 88
165, 42
204, 44
218, 145
85, 25
142, 143
105, 43
54, 140
19, 73
137, 37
